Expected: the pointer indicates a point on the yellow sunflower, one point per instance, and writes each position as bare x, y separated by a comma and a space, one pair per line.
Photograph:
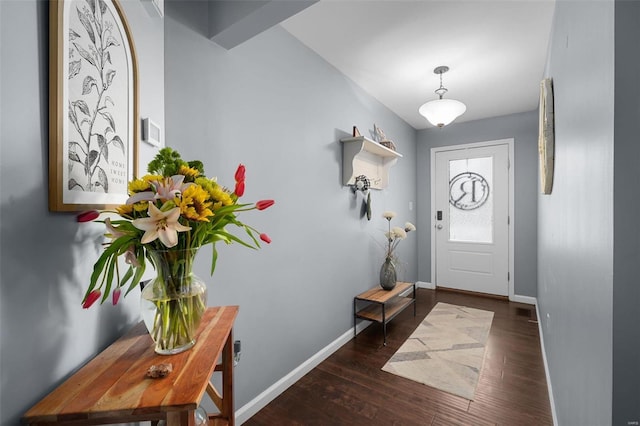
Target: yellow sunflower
194, 204
189, 173
139, 185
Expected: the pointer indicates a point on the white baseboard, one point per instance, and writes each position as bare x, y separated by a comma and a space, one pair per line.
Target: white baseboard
529, 300
245, 412
515, 298
546, 369
422, 284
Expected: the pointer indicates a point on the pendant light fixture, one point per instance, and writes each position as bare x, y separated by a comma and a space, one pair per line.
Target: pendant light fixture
441, 112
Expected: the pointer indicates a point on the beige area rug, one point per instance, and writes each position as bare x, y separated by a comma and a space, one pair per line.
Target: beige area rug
446, 351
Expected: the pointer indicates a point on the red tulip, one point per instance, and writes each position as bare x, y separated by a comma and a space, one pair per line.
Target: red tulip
116, 296
239, 188
264, 204
265, 238
91, 299
88, 216
240, 173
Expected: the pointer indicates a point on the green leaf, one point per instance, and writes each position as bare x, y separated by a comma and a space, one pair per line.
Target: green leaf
74, 68
126, 277
72, 184
73, 35
236, 239
109, 118
85, 55
102, 144
87, 25
111, 41
93, 155
109, 278
73, 156
118, 142
107, 257
88, 84
82, 106
103, 6
109, 77
139, 272
102, 179
250, 232
214, 259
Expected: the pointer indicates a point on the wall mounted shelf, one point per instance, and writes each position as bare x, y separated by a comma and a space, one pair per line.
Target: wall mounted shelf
362, 156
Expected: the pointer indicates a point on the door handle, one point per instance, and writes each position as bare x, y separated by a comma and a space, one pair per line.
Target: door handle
439, 226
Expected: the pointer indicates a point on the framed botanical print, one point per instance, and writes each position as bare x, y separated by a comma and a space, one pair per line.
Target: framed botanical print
93, 105
546, 144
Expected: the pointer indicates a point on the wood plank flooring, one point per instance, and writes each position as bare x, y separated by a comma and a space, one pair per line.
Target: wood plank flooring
349, 387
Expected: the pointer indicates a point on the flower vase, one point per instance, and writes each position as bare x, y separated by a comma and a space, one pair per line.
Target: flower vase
173, 303
388, 275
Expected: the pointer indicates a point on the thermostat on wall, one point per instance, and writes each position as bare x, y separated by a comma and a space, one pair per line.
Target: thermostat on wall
150, 132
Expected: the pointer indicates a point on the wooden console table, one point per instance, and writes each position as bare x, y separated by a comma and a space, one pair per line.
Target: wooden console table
383, 305
112, 387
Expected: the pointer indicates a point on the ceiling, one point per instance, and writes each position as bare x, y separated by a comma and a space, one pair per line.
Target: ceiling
496, 50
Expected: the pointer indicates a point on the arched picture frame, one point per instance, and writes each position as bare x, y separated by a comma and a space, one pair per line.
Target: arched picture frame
546, 144
93, 105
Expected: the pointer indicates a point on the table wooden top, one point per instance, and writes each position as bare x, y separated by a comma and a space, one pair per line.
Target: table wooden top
113, 385
379, 295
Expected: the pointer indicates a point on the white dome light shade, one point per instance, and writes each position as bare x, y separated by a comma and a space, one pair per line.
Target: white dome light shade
441, 112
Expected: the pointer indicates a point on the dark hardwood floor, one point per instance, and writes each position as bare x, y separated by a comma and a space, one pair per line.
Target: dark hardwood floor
349, 387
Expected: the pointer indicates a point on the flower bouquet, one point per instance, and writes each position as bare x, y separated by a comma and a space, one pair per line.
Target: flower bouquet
171, 212
388, 276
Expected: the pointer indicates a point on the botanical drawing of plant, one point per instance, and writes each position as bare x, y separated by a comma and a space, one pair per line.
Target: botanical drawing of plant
89, 114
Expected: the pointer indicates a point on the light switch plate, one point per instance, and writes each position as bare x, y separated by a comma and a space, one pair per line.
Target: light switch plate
151, 132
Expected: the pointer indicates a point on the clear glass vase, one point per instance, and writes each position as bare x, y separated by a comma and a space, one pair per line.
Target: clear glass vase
388, 276
172, 304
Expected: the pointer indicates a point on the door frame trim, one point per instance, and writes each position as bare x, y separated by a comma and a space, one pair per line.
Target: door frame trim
511, 194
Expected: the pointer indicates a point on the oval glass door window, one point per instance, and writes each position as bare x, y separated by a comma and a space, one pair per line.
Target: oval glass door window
470, 200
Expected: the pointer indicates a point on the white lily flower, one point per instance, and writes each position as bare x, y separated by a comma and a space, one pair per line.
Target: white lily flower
169, 188
398, 232
130, 257
112, 232
162, 225
409, 227
389, 215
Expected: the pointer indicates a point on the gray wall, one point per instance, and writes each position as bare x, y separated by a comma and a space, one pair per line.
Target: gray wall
274, 105
575, 227
626, 246
523, 128
47, 258
271, 104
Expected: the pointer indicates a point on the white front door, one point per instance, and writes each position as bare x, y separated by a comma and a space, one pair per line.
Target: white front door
471, 218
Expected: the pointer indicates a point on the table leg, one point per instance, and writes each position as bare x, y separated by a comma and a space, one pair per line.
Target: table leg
227, 380
354, 318
384, 326
181, 418
414, 299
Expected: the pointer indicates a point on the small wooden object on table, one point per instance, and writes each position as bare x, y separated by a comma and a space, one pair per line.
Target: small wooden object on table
383, 305
113, 387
